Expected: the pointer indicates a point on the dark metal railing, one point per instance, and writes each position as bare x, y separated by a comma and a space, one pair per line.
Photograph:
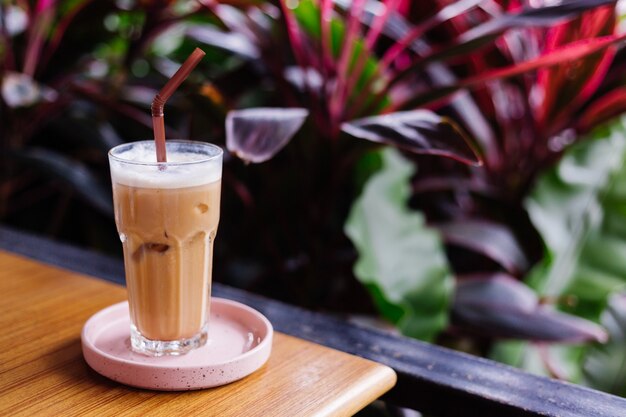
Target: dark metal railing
431, 379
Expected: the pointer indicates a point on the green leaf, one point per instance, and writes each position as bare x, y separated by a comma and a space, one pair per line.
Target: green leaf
554, 360
573, 207
307, 14
401, 261
605, 365
579, 209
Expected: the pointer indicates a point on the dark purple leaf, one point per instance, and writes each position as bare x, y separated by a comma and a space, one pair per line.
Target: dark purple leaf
304, 79
442, 54
76, 175
417, 131
256, 135
490, 239
454, 184
467, 112
379, 22
138, 94
59, 29
233, 18
500, 306
234, 42
540, 16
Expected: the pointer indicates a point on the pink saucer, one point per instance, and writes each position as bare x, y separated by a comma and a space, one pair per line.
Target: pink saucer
240, 342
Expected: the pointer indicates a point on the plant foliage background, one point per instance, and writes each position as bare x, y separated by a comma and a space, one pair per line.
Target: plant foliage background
456, 167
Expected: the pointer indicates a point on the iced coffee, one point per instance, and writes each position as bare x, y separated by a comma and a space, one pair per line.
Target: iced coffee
167, 216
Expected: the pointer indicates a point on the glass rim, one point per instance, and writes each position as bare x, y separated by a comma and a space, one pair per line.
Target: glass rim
206, 158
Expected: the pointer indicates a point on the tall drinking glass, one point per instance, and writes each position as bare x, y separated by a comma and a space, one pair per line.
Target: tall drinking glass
167, 216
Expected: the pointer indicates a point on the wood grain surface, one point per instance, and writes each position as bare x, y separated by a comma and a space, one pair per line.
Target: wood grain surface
42, 371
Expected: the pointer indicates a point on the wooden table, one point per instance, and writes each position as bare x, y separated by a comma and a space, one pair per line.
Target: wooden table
42, 371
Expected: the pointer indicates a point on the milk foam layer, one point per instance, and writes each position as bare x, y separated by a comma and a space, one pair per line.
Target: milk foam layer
136, 166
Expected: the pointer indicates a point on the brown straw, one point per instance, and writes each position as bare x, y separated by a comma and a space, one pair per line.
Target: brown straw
159, 101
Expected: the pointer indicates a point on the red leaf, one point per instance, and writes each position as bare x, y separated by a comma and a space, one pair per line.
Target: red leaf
446, 13
566, 53
326, 11
568, 86
602, 109
569, 52
294, 34
338, 95
481, 35
60, 28
43, 5
597, 23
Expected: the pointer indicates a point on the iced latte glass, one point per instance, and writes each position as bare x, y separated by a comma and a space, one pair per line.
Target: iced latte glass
167, 216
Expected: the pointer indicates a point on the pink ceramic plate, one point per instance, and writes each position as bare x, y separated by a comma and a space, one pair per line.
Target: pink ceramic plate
240, 342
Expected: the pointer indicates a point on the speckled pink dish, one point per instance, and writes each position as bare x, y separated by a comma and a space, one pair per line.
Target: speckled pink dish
240, 342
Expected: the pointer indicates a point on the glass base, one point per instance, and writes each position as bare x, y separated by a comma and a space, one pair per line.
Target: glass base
149, 347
